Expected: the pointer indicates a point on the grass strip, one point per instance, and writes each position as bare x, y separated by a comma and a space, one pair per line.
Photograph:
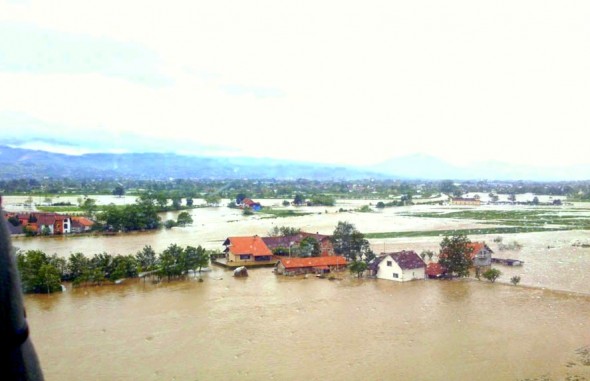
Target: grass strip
279, 213
436, 233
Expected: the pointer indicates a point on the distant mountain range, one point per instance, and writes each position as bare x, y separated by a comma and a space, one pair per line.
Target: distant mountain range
25, 163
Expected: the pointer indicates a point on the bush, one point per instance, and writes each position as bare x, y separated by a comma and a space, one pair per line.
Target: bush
492, 274
29, 232
184, 218
365, 209
498, 239
515, 280
514, 245
247, 212
169, 224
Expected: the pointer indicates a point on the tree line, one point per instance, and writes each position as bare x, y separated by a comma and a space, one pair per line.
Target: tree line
42, 273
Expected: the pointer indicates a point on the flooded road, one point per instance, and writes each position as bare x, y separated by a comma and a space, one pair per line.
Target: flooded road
275, 328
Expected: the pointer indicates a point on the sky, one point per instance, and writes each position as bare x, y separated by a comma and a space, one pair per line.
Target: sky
319, 81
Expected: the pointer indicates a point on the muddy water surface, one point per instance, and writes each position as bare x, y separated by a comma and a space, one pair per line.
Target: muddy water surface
267, 327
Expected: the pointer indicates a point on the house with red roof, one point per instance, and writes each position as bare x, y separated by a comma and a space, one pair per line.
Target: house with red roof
435, 270
247, 250
318, 265
52, 223
81, 224
249, 203
401, 266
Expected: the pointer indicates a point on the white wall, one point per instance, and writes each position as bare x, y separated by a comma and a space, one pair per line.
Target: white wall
386, 272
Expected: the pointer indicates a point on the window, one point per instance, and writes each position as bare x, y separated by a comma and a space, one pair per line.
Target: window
389, 263
395, 276
242, 257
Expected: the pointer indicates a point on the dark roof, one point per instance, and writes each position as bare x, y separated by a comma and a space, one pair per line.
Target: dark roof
247, 245
14, 229
406, 260
286, 241
282, 241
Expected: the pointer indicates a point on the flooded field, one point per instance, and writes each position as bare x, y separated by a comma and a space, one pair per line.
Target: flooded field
268, 327
551, 260
274, 328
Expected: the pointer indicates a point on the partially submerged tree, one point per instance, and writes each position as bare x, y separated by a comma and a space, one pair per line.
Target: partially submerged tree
455, 255
184, 218
146, 258
492, 274
358, 268
212, 199
283, 231
309, 247
351, 243
196, 258
515, 280
299, 199
89, 206
38, 274
170, 261
119, 190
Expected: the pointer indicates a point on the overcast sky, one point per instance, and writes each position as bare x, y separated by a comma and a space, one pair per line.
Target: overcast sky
325, 81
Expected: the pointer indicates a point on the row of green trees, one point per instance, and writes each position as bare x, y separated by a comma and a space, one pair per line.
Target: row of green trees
41, 273
286, 189
142, 215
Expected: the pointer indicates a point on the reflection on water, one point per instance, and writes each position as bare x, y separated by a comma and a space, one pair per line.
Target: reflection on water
268, 327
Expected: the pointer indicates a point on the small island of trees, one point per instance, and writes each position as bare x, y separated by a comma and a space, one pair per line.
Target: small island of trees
41, 273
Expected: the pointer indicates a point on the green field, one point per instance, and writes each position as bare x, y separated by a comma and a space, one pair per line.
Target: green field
441, 233
541, 219
281, 213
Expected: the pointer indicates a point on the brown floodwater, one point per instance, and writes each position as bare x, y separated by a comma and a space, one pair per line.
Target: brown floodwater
268, 327
275, 328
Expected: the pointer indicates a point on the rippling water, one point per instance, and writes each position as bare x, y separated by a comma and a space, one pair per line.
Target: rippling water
268, 327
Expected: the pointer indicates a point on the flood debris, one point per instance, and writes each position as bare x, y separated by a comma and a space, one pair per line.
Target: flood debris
241, 272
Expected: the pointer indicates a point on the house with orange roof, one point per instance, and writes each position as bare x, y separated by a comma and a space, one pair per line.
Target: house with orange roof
81, 224
318, 265
247, 250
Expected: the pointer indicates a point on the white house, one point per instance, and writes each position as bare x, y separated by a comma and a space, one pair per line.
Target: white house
402, 266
